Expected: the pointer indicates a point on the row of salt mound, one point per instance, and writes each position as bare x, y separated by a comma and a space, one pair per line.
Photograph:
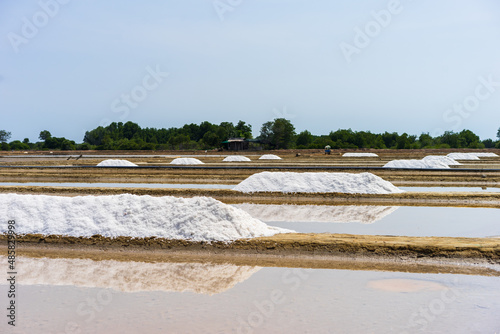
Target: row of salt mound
196, 219
288, 182
269, 157
186, 161
472, 156
429, 162
355, 154
235, 158
116, 163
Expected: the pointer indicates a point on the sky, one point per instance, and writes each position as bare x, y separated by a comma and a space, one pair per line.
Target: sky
68, 66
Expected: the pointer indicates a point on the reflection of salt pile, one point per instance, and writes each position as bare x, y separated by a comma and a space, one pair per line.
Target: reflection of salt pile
365, 214
186, 161
116, 163
197, 219
232, 158
463, 156
204, 278
430, 161
287, 182
353, 154
269, 157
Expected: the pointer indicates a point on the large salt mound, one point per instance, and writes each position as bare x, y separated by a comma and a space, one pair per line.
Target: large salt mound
288, 182
352, 154
364, 214
232, 158
116, 163
442, 158
206, 278
186, 161
197, 219
424, 164
463, 156
269, 157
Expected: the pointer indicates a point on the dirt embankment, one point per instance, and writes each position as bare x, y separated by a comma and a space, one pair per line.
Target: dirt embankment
341, 251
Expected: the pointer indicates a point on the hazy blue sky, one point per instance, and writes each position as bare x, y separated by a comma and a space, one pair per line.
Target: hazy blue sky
424, 66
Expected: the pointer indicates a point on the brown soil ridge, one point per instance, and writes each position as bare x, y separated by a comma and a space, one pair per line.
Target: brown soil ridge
485, 250
461, 199
343, 262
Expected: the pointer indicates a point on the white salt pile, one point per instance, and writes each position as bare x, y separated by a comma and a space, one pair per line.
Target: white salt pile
364, 214
269, 157
443, 158
353, 154
463, 156
187, 161
206, 278
288, 182
197, 219
424, 164
486, 155
116, 163
233, 158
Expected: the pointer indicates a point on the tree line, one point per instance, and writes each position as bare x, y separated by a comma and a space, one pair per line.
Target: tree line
277, 134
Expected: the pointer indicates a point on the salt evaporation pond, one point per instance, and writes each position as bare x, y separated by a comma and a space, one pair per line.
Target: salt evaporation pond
120, 185
451, 189
269, 300
380, 220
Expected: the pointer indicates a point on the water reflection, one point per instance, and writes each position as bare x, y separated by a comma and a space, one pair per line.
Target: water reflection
204, 278
364, 214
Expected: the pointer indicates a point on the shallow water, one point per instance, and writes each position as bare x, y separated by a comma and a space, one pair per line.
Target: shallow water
119, 185
380, 220
54, 298
451, 189
217, 186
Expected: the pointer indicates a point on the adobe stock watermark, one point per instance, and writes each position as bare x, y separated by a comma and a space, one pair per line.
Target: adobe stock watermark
131, 100
264, 309
371, 29
462, 110
283, 113
421, 319
88, 310
223, 6
31, 26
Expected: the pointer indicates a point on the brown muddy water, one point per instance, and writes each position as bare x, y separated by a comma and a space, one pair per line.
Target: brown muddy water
86, 296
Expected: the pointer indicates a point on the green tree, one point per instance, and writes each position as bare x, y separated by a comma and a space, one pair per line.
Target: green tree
44, 135
211, 140
498, 134
243, 130
4, 136
278, 133
304, 139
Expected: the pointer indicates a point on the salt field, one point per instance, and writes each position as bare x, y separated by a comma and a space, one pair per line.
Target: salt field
175, 259
232, 299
